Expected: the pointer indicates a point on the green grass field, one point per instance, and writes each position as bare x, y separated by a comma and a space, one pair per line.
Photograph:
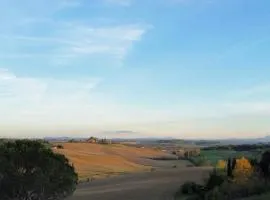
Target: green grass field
213, 156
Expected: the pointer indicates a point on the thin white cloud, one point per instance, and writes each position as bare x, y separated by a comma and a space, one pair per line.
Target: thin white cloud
29, 90
66, 40
29, 99
76, 41
115, 41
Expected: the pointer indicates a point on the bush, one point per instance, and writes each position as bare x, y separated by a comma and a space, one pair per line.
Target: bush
200, 161
214, 194
199, 191
59, 146
235, 190
242, 184
29, 170
215, 179
191, 188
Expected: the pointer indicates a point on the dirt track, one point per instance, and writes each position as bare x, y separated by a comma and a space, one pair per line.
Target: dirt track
158, 185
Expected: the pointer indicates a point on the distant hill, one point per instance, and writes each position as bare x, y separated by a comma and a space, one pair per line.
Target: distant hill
156, 140
265, 139
237, 141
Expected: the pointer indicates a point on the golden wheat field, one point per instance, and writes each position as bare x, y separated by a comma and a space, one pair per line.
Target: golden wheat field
98, 161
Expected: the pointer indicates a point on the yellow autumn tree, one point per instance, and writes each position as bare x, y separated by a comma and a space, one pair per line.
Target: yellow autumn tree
243, 169
221, 164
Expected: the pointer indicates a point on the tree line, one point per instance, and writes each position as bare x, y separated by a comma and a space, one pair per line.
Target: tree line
242, 147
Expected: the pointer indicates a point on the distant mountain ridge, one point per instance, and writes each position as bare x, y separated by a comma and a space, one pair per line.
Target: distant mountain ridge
265, 139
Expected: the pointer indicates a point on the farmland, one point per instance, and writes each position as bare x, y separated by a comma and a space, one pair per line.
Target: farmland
99, 161
211, 155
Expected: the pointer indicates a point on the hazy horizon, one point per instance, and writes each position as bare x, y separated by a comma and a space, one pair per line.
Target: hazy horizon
134, 68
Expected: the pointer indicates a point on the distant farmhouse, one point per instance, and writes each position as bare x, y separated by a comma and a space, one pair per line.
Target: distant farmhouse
92, 140
95, 140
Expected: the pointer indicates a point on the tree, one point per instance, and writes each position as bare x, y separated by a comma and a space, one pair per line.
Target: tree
243, 169
31, 171
234, 162
60, 146
229, 168
264, 164
221, 164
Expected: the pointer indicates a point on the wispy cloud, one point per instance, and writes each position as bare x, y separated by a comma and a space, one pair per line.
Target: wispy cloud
67, 40
115, 41
76, 41
34, 90
28, 98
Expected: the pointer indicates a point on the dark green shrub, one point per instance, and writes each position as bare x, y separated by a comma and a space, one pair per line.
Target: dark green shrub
232, 190
59, 146
30, 170
214, 194
215, 179
191, 188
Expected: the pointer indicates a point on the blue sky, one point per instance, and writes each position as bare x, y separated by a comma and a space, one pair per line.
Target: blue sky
135, 68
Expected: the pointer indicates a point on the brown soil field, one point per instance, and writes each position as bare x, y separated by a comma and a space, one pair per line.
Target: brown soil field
98, 161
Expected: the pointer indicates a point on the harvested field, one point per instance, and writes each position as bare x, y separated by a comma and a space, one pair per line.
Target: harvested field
97, 161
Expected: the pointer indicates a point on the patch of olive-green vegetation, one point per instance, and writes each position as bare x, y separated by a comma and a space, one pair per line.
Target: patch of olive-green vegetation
211, 155
235, 178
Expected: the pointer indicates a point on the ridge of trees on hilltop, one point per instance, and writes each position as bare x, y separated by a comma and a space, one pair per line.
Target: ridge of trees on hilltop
239, 147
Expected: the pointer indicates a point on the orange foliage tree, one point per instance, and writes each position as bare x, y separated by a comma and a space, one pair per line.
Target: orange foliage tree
221, 164
243, 169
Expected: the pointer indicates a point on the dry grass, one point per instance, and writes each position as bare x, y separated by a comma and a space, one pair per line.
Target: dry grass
97, 161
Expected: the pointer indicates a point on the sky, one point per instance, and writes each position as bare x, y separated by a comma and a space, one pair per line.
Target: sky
135, 68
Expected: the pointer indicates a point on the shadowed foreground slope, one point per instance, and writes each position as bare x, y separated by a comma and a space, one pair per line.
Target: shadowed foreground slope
141, 186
